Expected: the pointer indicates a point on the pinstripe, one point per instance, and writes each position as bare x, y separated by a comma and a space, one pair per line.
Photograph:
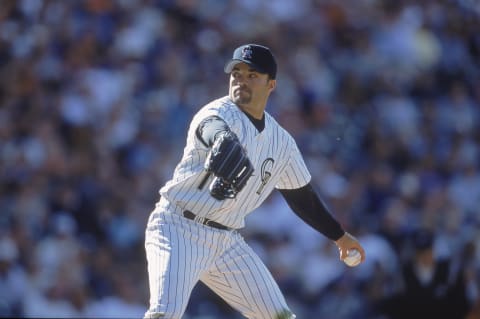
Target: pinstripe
240, 270
251, 284
247, 301
244, 287
261, 277
173, 290
182, 264
224, 282
178, 264
169, 266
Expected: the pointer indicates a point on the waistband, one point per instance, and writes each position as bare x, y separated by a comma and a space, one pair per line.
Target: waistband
167, 206
204, 221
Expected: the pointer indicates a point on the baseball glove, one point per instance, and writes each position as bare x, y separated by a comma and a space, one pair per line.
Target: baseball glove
228, 161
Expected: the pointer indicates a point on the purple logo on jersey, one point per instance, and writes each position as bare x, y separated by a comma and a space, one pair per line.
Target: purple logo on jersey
247, 52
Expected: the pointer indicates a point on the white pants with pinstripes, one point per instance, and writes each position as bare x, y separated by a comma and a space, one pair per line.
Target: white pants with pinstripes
180, 252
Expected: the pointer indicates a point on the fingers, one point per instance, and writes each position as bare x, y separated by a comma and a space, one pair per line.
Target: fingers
348, 242
343, 253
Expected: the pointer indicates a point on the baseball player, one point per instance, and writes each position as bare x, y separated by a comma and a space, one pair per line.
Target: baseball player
235, 155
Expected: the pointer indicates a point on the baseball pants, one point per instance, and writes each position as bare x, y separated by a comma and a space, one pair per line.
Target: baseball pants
180, 252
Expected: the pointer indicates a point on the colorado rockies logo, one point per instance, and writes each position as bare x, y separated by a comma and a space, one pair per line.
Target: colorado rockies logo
266, 173
247, 52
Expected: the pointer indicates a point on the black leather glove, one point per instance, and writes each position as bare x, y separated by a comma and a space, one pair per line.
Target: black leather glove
232, 168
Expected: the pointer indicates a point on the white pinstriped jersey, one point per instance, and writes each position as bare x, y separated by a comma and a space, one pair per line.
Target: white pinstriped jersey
273, 153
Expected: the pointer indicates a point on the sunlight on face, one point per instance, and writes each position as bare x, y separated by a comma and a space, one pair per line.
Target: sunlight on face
247, 86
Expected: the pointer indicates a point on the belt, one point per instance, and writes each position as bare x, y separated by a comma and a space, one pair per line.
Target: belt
204, 221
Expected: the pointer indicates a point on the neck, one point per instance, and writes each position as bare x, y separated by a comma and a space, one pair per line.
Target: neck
258, 123
255, 111
256, 114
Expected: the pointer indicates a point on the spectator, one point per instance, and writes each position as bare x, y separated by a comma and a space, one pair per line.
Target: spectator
12, 279
433, 287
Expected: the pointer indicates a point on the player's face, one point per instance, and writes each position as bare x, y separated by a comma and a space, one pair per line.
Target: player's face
249, 88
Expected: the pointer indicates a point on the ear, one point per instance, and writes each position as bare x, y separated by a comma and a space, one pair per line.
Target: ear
272, 84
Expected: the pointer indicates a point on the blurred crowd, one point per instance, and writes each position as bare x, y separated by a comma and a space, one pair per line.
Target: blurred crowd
383, 100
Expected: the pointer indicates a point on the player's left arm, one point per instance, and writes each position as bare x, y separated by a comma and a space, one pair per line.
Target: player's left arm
305, 203
226, 159
210, 129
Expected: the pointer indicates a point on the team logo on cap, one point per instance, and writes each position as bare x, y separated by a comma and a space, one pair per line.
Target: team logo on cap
247, 52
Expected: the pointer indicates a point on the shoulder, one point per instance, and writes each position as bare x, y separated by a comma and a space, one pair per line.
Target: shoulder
222, 107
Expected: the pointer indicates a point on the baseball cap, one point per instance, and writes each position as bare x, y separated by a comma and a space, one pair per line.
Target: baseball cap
255, 55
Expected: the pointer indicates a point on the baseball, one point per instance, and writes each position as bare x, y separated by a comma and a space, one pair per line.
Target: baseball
353, 258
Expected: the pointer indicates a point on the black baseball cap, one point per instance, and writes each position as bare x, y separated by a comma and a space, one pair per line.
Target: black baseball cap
257, 56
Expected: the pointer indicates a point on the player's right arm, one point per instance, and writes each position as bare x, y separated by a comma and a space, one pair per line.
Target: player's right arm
306, 204
295, 186
310, 208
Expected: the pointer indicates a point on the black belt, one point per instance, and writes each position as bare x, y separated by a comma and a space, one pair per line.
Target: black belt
204, 221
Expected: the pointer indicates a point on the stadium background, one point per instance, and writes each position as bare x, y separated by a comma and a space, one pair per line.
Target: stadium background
95, 97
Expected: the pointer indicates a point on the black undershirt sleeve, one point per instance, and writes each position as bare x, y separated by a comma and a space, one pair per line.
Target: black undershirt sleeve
309, 207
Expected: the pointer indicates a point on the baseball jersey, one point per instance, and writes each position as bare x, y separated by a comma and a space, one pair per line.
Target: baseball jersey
273, 153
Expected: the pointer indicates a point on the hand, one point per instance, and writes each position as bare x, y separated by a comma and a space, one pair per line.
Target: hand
348, 242
228, 161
